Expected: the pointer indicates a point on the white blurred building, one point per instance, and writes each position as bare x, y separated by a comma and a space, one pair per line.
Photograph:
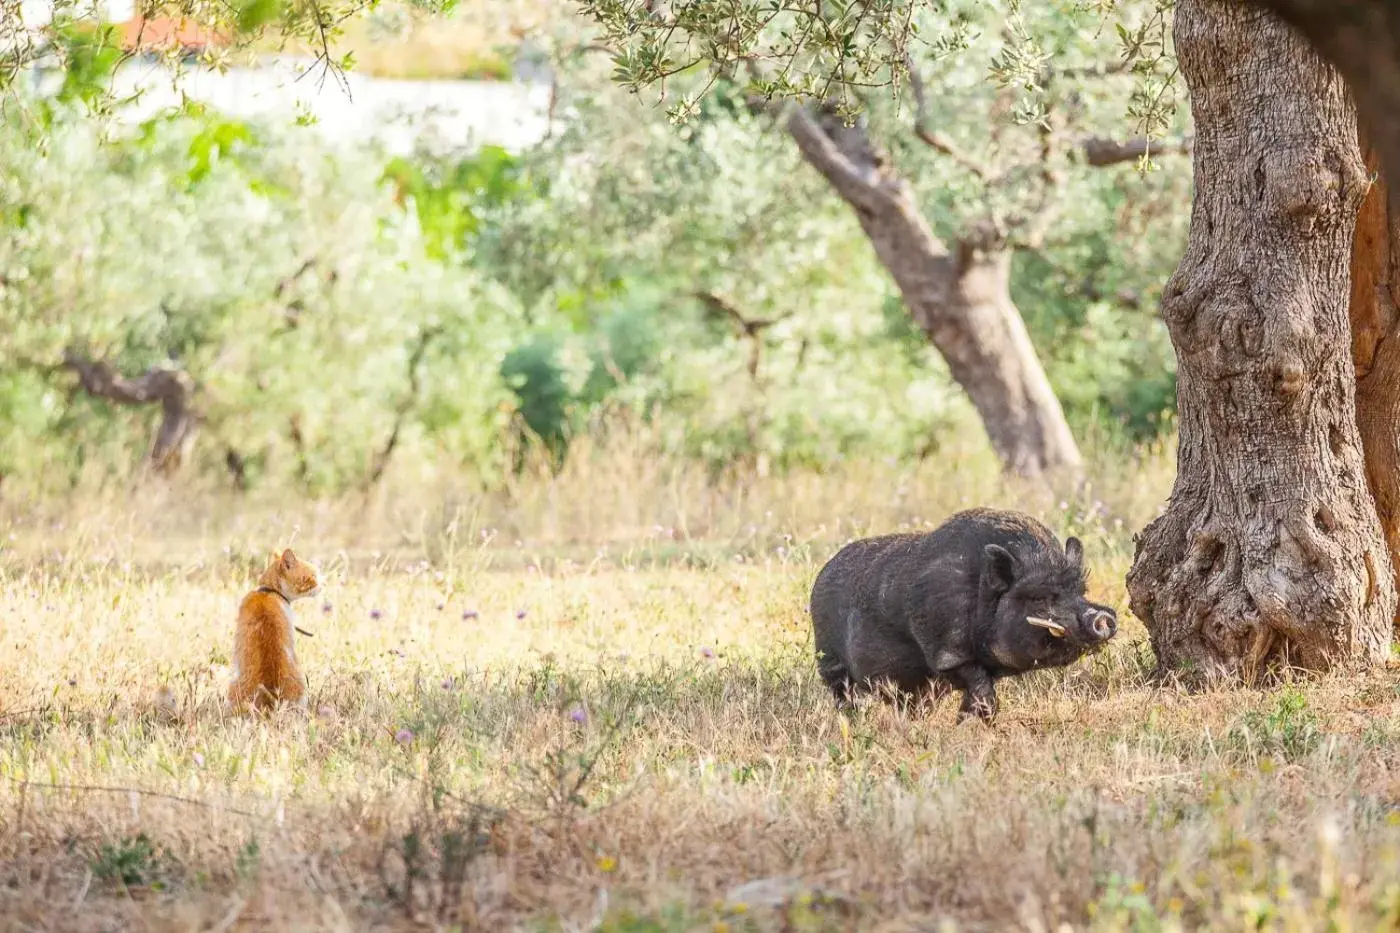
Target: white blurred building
351, 109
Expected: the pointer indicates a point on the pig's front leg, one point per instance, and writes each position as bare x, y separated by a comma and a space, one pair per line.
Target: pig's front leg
979, 696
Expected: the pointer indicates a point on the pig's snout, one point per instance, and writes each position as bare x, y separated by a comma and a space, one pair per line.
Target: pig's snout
1100, 624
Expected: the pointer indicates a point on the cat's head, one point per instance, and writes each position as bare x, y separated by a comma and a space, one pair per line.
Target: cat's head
291, 576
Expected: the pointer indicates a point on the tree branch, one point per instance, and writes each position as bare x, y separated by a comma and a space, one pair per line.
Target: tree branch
1096, 70
237, 467
172, 388
298, 439
415, 359
750, 329
1099, 152
860, 184
747, 327
935, 140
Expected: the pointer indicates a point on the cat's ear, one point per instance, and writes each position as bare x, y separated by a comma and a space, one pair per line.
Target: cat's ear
274, 558
289, 560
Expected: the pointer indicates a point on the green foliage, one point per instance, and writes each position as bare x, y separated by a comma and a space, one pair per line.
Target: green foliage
1289, 729
810, 50
92, 54
133, 861
701, 278
1125, 905
804, 48
636, 207
561, 378
215, 138
283, 279
544, 399
449, 196
256, 14
249, 860
1090, 304
75, 40
1092, 244
639, 219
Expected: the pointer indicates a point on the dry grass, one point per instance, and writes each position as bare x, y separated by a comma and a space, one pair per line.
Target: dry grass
589, 703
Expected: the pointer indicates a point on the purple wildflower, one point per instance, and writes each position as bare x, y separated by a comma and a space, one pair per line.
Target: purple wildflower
376, 614
403, 736
707, 652
578, 715
520, 614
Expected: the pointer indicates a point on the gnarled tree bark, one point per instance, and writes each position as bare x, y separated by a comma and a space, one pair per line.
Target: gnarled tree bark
961, 298
173, 389
1269, 549
1361, 38
1375, 348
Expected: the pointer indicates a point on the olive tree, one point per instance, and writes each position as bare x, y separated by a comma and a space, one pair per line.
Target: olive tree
1271, 548
1015, 181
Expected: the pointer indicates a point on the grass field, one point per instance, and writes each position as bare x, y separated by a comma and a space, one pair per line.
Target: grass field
590, 704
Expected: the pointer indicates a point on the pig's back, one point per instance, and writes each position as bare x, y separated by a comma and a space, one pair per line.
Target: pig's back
966, 533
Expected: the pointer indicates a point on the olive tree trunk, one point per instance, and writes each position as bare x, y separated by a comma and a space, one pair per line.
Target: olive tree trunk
960, 298
1269, 549
1375, 349
1361, 38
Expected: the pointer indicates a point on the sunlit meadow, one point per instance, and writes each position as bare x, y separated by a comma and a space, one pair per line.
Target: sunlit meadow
588, 702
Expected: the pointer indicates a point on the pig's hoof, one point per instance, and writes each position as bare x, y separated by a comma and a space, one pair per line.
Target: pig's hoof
985, 710
987, 721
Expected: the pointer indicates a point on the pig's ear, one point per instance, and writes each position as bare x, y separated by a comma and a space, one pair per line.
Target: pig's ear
1074, 550
998, 568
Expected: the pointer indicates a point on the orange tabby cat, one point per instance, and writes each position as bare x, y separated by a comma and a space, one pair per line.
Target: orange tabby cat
265, 670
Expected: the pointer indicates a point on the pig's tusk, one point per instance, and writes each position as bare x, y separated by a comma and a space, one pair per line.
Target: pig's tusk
1054, 628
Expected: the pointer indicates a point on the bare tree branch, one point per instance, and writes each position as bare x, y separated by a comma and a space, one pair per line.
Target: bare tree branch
415, 360
298, 439
747, 327
172, 388
1096, 70
1099, 152
290, 280
237, 468
750, 329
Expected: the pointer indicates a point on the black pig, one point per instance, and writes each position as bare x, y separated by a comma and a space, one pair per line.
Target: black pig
985, 595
